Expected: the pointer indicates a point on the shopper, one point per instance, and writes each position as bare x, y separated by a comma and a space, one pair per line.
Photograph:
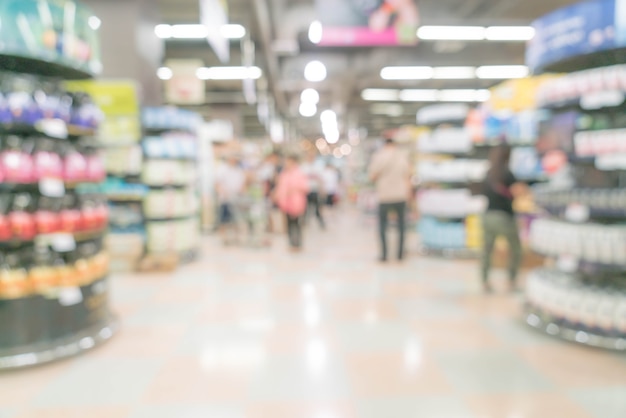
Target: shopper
313, 172
291, 197
330, 179
230, 185
391, 173
499, 220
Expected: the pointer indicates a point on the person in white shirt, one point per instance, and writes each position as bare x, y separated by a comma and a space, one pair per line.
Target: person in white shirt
230, 184
330, 179
313, 171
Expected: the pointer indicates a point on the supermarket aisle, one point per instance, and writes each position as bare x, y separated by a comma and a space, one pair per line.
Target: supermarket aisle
325, 334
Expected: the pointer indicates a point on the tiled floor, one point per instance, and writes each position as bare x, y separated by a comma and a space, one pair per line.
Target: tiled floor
327, 333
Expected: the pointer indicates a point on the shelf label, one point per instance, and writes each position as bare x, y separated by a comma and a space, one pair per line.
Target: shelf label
63, 243
70, 296
568, 264
576, 212
54, 128
52, 187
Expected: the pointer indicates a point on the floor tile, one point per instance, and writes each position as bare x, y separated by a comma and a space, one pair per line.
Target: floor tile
375, 336
21, 387
439, 335
314, 377
300, 410
418, 406
571, 366
606, 402
164, 314
105, 382
76, 412
515, 332
142, 342
185, 410
535, 405
491, 371
403, 373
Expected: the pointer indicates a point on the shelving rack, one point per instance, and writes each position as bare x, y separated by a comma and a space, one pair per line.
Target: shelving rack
448, 169
582, 296
53, 278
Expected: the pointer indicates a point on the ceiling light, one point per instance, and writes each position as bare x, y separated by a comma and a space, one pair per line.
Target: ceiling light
315, 71
233, 31
163, 31
165, 73
328, 117
464, 95
94, 22
346, 149
406, 73
229, 73
417, 95
316, 32
452, 33
502, 72
308, 110
310, 96
454, 73
332, 137
380, 95
189, 31
510, 33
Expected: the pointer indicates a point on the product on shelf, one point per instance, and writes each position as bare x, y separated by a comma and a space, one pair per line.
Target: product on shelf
450, 203
452, 171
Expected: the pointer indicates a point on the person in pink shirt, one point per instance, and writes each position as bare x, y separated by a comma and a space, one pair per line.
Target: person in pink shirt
290, 195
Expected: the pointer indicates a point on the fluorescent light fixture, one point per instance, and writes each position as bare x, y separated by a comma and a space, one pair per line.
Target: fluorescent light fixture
464, 95
94, 22
510, 33
165, 73
407, 73
502, 72
310, 96
189, 31
452, 33
454, 73
332, 137
163, 31
379, 95
233, 31
315, 71
328, 117
316, 32
419, 95
308, 110
229, 73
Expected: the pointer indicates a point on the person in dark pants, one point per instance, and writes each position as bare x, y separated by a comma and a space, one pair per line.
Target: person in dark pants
290, 195
313, 171
390, 171
499, 220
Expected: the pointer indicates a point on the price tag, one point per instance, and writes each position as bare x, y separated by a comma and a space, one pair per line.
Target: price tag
577, 212
51, 187
63, 243
568, 264
70, 296
54, 128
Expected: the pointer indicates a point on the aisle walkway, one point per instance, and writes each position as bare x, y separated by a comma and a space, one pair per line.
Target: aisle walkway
325, 334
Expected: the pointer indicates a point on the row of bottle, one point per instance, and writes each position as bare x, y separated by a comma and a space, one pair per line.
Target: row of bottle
27, 100
24, 216
595, 243
599, 202
40, 270
175, 145
26, 160
570, 302
593, 143
170, 118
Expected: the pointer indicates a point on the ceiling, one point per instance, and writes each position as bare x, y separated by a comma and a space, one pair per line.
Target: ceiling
279, 31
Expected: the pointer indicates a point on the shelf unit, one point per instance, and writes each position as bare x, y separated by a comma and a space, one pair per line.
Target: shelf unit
53, 217
582, 297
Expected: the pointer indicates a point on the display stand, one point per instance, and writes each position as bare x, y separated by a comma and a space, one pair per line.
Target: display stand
582, 298
171, 206
53, 217
448, 168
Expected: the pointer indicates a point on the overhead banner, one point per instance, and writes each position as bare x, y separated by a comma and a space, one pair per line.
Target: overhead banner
185, 88
363, 23
214, 15
580, 29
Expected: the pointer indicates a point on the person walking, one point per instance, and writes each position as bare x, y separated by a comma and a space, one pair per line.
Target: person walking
390, 172
314, 174
499, 219
230, 184
290, 195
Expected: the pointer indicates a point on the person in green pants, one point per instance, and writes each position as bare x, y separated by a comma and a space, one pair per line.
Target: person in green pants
499, 220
